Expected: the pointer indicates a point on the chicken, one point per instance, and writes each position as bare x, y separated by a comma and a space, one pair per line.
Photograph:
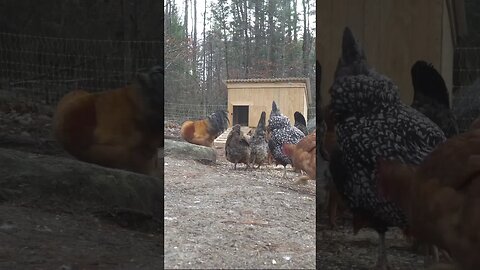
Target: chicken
205, 131
258, 143
237, 148
371, 122
304, 156
300, 122
431, 97
281, 132
119, 128
442, 203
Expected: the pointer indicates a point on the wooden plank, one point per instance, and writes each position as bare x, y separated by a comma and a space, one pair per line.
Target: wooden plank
394, 34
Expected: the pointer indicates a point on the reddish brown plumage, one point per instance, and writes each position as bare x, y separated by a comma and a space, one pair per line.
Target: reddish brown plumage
205, 131
303, 156
115, 128
441, 196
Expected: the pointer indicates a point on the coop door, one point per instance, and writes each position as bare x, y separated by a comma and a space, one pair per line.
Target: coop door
240, 115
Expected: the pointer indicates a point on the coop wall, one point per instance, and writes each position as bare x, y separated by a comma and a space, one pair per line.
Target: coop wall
394, 34
290, 97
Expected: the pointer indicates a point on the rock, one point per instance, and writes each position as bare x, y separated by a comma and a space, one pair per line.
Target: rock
53, 182
185, 150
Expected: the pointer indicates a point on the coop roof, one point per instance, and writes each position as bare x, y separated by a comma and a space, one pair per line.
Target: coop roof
277, 80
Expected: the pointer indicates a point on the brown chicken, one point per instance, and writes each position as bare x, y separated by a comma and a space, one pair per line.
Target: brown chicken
442, 203
303, 156
119, 128
205, 131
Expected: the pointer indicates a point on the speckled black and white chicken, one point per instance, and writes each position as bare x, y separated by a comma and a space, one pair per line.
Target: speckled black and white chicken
258, 143
431, 97
372, 122
281, 132
237, 148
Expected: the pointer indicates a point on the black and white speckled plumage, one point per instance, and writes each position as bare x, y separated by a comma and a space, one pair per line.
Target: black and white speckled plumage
281, 132
431, 97
372, 122
258, 142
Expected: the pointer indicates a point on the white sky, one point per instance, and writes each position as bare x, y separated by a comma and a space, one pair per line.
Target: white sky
201, 8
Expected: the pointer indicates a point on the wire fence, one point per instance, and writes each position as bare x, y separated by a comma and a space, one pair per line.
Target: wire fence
466, 86
178, 112
43, 69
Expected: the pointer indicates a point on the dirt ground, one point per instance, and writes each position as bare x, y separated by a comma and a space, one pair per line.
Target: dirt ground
37, 239
217, 217
34, 238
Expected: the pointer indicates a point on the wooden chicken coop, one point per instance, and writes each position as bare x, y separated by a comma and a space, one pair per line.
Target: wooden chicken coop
247, 98
394, 35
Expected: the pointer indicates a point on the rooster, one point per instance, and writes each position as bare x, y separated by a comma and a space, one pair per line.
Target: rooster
119, 128
237, 148
300, 122
431, 97
371, 122
281, 132
205, 131
258, 143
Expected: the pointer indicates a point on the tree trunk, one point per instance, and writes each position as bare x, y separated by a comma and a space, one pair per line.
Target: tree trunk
247, 41
48, 181
305, 38
185, 20
204, 61
271, 37
194, 58
295, 21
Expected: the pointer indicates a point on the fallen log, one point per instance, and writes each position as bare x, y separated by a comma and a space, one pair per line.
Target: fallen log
66, 184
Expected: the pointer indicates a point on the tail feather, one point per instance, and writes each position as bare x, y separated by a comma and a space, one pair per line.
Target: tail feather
353, 60
275, 109
261, 124
429, 82
299, 118
351, 50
